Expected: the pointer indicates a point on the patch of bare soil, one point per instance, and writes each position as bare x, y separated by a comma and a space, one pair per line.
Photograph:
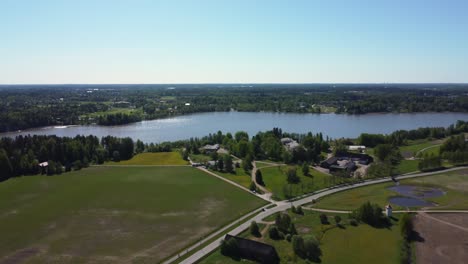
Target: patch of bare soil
20, 256
443, 238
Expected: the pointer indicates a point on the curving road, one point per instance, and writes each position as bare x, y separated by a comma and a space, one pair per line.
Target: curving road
284, 205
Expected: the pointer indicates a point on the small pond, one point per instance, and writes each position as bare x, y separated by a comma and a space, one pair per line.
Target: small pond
414, 196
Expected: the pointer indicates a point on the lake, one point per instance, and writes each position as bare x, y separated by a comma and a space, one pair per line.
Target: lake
198, 125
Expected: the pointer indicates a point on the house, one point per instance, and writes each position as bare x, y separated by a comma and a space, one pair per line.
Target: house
210, 148
328, 162
255, 251
289, 143
343, 165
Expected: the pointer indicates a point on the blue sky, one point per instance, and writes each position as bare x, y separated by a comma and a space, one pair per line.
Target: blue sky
238, 41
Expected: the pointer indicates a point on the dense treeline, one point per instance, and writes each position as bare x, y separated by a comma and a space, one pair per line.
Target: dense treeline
264, 145
118, 119
22, 155
27, 106
455, 149
401, 137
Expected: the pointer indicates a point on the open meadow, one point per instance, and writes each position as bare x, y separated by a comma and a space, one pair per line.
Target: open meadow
114, 214
157, 158
454, 184
275, 179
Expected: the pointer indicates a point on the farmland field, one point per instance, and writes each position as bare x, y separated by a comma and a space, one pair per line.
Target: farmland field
240, 177
109, 214
158, 158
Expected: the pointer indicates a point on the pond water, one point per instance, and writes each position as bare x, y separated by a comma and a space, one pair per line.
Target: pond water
414, 196
198, 125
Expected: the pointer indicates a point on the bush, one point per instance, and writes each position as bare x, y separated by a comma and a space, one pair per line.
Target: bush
299, 210
292, 175
259, 178
324, 219
274, 233
292, 229
116, 156
337, 219
230, 248
305, 169
293, 209
77, 165
353, 222
254, 230
288, 237
306, 248
252, 186
283, 222
370, 214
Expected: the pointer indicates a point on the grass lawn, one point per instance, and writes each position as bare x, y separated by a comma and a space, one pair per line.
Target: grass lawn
416, 146
200, 158
266, 163
275, 179
361, 244
115, 214
407, 166
239, 177
455, 184
158, 158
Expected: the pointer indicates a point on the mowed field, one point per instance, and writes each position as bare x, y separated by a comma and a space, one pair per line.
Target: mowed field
159, 158
455, 184
275, 178
113, 214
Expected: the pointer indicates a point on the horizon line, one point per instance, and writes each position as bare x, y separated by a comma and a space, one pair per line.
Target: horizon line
236, 83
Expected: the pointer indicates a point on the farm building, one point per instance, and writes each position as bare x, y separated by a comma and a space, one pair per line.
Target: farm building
210, 148
356, 148
256, 251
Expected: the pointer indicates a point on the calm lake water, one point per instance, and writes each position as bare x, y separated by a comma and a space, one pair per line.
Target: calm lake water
198, 125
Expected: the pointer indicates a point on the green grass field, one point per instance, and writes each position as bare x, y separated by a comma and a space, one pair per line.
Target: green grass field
200, 158
266, 163
114, 214
455, 184
407, 166
275, 179
159, 158
360, 244
414, 147
239, 177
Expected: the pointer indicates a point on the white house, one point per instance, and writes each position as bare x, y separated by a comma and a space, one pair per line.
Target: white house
388, 210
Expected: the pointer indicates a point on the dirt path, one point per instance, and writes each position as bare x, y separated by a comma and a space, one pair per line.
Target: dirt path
444, 222
266, 192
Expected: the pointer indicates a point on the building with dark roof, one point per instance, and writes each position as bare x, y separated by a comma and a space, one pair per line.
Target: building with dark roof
329, 162
255, 251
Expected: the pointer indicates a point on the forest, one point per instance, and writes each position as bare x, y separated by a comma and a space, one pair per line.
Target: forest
22, 155
28, 106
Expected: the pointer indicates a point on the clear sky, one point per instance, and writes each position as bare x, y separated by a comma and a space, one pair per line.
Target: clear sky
236, 41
